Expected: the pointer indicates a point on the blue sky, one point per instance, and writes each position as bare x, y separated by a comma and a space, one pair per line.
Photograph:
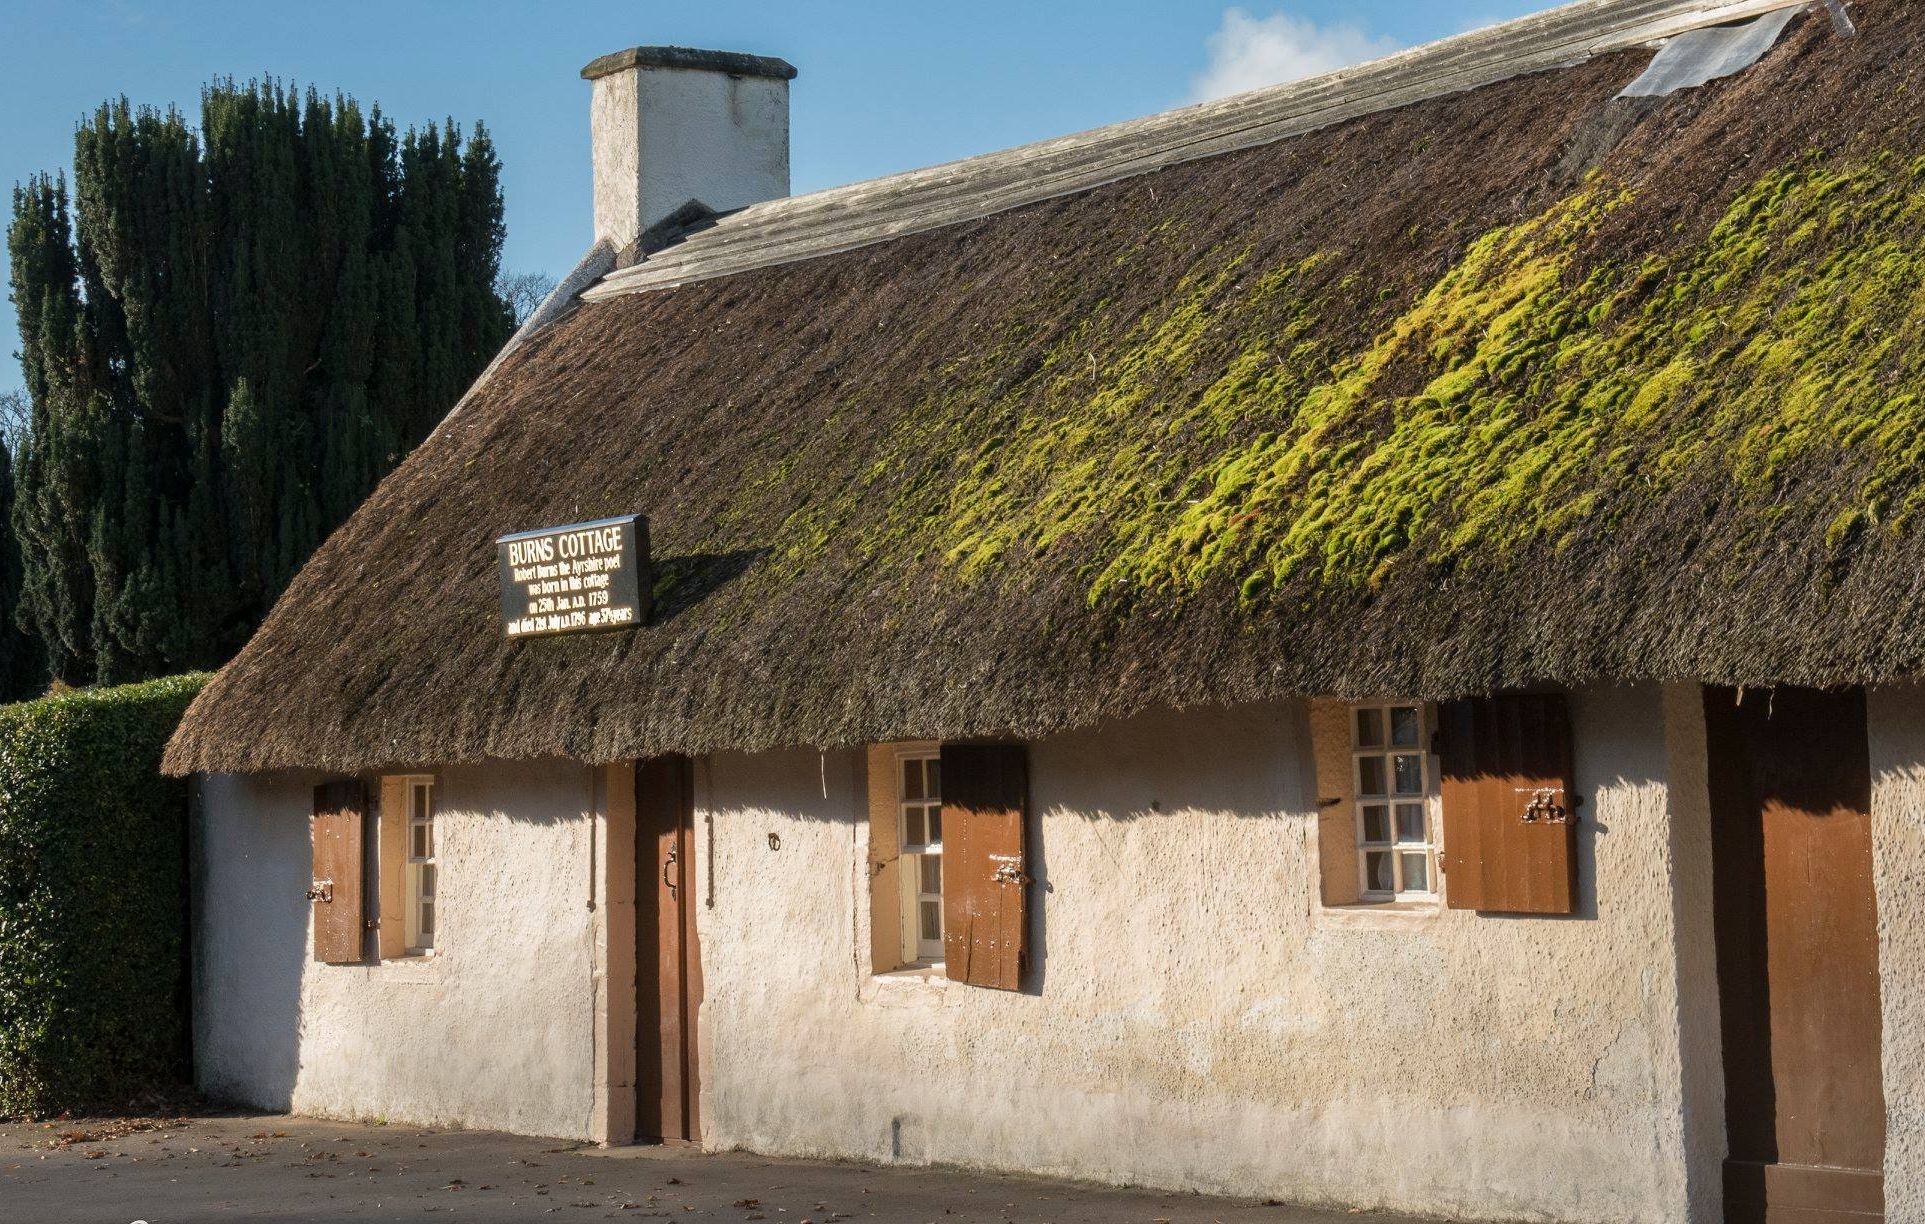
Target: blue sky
886, 84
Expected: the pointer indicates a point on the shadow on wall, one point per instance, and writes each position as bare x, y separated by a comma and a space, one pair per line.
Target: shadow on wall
1036, 856
274, 1031
251, 876
1249, 762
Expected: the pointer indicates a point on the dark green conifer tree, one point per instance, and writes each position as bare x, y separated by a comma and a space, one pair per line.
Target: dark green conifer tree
231, 331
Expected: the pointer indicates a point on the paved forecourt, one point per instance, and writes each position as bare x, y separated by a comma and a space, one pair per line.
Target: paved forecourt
178, 1171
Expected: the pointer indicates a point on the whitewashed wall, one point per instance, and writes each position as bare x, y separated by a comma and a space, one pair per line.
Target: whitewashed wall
1196, 1020
496, 1030
1897, 733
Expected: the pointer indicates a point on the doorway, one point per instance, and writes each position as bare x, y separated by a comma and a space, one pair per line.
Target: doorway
668, 969
1797, 940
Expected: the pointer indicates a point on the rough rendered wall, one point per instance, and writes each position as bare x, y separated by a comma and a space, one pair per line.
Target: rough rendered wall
1897, 733
1195, 1020
495, 1030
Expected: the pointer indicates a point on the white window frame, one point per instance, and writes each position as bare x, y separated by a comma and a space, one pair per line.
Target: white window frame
423, 917
1393, 805
917, 949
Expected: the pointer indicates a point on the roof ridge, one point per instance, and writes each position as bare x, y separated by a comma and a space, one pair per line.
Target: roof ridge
877, 210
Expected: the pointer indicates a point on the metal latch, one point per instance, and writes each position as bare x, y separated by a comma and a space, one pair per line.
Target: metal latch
323, 891
1011, 872
1544, 807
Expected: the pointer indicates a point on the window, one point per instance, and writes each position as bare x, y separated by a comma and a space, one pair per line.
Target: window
1482, 789
420, 882
1390, 788
919, 824
948, 888
408, 914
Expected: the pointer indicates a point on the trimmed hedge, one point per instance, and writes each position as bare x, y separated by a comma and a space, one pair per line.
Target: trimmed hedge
93, 898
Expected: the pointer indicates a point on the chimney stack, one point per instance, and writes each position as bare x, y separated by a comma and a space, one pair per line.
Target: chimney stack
675, 127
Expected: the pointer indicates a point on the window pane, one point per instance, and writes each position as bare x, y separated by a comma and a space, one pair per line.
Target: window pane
912, 779
1377, 873
935, 824
1416, 873
1370, 728
1410, 775
932, 873
1370, 775
1376, 823
931, 920
427, 921
935, 778
427, 881
1403, 726
1410, 823
420, 841
912, 826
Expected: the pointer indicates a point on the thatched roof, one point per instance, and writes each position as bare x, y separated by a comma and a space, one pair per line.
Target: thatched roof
1512, 385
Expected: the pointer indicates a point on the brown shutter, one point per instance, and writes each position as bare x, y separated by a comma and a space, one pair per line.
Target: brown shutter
1510, 831
340, 811
985, 882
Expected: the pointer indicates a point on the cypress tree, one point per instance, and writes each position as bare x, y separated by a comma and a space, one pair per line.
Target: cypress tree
54, 479
231, 331
23, 663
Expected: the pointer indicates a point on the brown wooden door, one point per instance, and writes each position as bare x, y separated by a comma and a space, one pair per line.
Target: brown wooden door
668, 971
1797, 935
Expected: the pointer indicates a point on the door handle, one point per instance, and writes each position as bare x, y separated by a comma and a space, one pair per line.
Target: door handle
674, 857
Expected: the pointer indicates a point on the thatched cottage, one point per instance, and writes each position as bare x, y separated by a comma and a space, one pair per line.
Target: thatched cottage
1360, 643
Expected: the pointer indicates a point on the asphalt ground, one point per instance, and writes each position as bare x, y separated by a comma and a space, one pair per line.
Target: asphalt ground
218, 1168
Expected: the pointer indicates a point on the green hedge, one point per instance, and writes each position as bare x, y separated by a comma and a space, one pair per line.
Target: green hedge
93, 898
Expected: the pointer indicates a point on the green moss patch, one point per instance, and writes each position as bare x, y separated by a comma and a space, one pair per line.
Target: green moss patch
1520, 396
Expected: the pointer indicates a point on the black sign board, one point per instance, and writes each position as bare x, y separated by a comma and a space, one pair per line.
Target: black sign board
579, 579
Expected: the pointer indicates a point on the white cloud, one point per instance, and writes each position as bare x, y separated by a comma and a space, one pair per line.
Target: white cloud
1249, 52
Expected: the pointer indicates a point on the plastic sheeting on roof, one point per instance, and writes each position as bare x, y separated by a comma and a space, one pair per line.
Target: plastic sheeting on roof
1701, 56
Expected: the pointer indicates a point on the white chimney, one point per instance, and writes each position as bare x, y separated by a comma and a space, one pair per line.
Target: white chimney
674, 127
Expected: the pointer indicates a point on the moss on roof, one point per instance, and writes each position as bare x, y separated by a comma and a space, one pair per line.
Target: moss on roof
1793, 329
1519, 385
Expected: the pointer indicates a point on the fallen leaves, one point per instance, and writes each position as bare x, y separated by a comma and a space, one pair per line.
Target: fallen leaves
115, 1128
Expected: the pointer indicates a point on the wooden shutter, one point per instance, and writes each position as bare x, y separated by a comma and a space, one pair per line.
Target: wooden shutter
340, 812
985, 882
1510, 816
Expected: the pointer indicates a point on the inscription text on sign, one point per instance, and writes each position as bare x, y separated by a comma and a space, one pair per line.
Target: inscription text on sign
576, 579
